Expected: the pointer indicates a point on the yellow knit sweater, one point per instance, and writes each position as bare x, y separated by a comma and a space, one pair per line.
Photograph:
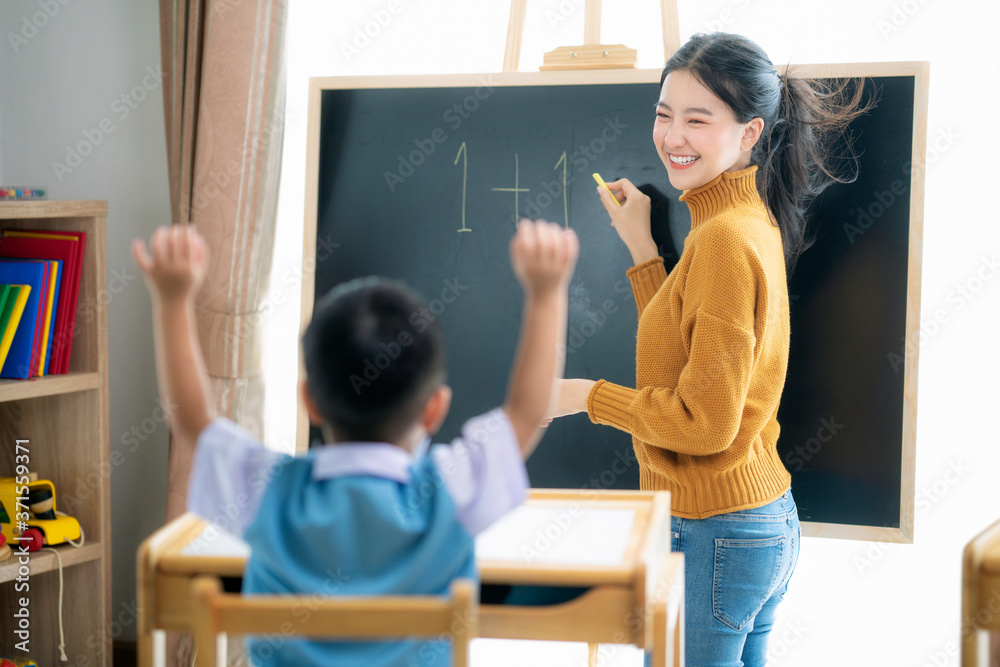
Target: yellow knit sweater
711, 358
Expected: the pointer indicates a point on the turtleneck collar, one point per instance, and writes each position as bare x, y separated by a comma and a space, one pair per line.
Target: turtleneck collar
724, 191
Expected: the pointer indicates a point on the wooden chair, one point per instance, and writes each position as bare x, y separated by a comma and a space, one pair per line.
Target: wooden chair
385, 618
981, 599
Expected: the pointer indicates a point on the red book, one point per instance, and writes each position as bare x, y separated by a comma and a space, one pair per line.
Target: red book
50, 248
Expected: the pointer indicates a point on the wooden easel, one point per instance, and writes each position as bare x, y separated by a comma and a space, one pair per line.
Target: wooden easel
591, 54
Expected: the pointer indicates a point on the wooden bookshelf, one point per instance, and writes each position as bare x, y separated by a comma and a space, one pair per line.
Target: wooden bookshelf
65, 419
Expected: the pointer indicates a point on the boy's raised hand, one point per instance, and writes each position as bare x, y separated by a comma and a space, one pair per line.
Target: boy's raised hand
176, 263
543, 256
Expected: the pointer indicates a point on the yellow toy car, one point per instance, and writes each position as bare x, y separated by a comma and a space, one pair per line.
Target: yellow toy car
39, 522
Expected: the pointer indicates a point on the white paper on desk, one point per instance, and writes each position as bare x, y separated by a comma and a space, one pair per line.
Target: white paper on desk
557, 535
215, 542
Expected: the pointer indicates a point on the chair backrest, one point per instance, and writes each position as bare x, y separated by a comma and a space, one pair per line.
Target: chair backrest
385, 618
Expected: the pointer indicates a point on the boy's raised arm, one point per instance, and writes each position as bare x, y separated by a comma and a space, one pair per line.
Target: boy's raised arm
543, 256
174, 269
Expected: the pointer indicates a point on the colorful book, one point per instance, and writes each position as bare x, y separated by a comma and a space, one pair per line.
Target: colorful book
68, 247
64, 250
10, 316
32, 273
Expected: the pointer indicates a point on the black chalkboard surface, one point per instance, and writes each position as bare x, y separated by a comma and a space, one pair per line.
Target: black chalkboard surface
423, 181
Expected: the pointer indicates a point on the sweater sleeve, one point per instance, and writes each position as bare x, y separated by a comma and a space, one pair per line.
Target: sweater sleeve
646, 279
702, 414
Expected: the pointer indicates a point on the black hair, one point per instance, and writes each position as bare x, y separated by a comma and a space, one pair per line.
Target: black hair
804, 143
372, 359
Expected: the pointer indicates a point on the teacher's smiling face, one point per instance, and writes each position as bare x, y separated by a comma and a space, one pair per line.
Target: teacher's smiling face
696, 133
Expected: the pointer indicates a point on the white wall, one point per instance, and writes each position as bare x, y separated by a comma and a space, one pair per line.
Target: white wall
850, 603
57, 88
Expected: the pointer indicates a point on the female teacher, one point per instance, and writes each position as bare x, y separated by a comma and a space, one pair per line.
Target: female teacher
750, 148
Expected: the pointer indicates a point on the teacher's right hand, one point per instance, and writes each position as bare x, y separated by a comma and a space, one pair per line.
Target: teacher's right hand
631, 219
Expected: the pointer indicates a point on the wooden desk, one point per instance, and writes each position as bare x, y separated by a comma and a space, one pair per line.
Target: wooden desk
981, 599
616, 543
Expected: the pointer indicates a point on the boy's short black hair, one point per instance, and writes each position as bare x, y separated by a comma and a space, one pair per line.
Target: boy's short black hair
371, 360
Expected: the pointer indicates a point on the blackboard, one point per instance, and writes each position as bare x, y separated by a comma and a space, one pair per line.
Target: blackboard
422, 179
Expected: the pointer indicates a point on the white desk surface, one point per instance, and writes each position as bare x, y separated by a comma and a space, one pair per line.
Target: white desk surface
550, 534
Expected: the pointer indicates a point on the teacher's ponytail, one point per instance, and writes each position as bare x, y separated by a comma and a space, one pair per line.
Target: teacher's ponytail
805, 146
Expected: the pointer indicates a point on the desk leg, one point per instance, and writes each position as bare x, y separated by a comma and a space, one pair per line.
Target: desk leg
145, 641
143, 595
592, 654
667, 614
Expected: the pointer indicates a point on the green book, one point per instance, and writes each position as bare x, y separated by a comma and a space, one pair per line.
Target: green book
12, 302
5, 291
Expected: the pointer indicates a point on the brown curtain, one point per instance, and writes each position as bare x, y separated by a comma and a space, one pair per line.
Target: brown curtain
223, 104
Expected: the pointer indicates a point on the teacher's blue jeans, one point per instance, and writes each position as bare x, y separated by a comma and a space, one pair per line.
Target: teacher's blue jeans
736, 567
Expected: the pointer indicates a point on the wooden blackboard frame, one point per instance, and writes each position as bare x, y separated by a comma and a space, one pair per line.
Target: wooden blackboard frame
918, 70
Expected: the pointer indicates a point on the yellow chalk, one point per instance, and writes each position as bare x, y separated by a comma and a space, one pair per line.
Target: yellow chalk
600, 181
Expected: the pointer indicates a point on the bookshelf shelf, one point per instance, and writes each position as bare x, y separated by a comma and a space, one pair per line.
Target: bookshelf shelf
41, 562
63, 421
20, 210
50, 385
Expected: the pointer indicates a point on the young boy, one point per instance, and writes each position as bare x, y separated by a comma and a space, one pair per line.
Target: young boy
368, 513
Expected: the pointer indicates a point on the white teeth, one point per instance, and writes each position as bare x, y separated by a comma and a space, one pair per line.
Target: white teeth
682, 160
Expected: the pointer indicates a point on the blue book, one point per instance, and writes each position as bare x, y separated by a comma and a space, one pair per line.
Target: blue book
23, 272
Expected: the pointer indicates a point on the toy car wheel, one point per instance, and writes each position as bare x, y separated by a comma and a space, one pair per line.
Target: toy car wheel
33, 538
